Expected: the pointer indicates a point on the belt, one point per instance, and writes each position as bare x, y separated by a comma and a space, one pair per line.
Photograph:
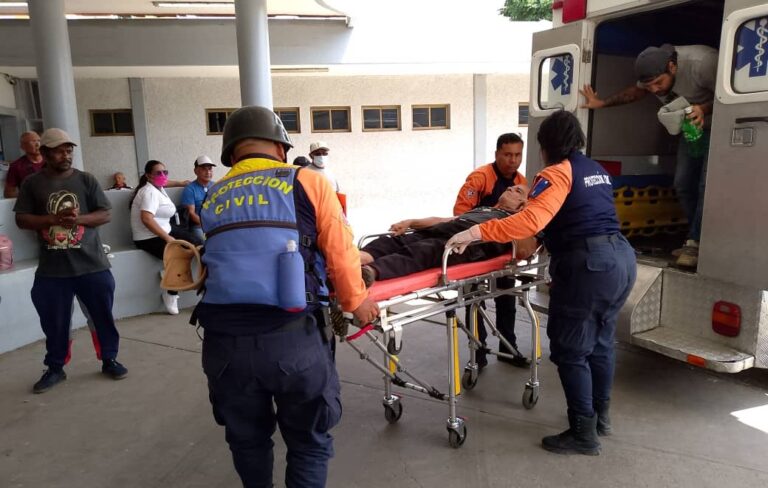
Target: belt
584, 242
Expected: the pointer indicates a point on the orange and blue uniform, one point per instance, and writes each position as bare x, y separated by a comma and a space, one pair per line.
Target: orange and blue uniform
592, 267
258, 354
483, 188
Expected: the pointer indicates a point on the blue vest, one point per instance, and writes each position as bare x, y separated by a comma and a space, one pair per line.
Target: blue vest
248, 220
588, 209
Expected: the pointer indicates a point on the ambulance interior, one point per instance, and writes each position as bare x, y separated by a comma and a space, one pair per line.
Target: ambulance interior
628, 139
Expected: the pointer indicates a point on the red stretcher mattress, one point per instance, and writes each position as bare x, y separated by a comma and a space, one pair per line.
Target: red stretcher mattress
385, 289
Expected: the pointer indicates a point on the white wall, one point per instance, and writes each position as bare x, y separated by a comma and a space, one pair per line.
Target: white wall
387, 176
505, 94
105, 155
7, 99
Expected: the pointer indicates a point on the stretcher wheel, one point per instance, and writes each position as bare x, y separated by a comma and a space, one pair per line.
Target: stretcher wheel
393, 412
530, 397
456, 437
469, 378
391, 347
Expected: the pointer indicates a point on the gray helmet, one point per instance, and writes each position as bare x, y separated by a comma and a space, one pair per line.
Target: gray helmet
252, 122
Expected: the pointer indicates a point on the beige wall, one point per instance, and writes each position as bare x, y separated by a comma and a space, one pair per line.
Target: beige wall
505, 94
7, 99
387, 176
103, 156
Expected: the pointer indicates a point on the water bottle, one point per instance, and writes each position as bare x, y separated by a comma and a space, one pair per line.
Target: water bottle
693, 135
6, 252
291, 290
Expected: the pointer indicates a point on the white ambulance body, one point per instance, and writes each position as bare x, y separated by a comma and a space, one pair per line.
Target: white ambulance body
717, 316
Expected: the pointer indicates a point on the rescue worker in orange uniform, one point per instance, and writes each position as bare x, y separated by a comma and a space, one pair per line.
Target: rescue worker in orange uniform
593, 269
273, 229
483, 188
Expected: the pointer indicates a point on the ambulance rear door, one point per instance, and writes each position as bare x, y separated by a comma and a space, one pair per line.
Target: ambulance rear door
560, 64
734, 241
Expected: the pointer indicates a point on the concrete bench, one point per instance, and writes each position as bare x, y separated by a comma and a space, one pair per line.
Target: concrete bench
136, 274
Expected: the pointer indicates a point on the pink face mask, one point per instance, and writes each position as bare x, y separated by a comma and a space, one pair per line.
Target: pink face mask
160, 180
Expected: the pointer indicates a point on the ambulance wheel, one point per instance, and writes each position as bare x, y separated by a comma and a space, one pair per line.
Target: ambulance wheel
469, 379
393, 412
456, 437
530, 397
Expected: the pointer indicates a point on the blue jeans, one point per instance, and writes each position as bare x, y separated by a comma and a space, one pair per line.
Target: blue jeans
690, 181
53, 299
590, 283
287, 379
197, 231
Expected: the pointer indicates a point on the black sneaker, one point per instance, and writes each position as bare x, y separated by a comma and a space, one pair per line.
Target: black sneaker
50, 378
113, 369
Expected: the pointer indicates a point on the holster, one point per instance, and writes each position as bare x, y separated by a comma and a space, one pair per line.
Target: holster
324, 322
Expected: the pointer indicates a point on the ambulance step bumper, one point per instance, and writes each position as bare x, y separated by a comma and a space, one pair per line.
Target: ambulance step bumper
694, 350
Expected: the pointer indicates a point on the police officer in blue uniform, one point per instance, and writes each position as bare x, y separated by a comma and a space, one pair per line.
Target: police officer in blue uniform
270, 227
593, 269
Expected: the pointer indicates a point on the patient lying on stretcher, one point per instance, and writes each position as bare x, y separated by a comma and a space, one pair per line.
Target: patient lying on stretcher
401, 254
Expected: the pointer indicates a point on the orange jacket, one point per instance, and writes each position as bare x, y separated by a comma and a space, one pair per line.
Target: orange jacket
479, 183
539, 211
334, 235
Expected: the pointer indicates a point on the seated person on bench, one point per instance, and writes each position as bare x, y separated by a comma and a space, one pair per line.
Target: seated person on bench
398, 255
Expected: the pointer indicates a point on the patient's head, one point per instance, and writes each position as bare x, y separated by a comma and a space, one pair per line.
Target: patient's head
513, 199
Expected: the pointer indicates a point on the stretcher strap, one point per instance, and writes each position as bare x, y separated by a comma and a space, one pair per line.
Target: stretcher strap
359, 333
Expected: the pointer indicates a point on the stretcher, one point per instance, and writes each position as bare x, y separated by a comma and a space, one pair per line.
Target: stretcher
441, 291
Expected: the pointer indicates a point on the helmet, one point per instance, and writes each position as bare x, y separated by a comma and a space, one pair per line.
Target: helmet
252, 122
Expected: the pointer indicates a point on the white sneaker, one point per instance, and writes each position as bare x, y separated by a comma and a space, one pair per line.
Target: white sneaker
171, 303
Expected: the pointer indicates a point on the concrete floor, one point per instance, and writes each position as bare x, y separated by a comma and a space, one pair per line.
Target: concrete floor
674, 424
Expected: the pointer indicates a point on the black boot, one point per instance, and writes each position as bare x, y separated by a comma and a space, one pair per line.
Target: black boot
603, 419
581, 438
518, 360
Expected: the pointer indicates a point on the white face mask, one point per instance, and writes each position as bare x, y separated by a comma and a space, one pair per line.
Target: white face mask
320, 161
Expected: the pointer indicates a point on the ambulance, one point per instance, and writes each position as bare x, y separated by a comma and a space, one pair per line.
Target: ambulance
715, 316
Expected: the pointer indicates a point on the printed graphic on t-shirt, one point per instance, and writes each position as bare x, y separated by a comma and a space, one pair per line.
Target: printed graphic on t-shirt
58, 236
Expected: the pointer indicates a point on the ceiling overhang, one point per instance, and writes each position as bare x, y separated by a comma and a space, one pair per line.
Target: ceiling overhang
116, 9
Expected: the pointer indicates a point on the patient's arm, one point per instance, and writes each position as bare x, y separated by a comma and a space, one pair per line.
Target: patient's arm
399, 228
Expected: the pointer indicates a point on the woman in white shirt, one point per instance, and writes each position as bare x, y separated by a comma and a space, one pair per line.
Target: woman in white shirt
151, 212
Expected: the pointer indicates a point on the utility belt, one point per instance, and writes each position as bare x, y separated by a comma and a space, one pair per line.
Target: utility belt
588, 243
248, 319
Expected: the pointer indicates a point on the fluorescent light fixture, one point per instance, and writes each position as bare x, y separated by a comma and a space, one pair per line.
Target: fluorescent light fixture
13, 4
193, 4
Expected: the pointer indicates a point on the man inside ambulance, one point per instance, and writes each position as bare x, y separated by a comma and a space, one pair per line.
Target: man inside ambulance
683, 79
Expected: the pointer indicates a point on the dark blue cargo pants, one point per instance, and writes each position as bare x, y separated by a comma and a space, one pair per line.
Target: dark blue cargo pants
285, 378
591, 280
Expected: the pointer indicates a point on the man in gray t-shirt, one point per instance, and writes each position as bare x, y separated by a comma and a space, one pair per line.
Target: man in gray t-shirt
669, 72
64, 206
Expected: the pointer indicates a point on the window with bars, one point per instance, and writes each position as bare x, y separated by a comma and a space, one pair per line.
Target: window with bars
216, 118
522, 115
377, 118
330, 119
117, 122
431, 117
290, 118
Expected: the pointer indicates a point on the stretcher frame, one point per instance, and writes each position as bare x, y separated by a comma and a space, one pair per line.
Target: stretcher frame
386, 333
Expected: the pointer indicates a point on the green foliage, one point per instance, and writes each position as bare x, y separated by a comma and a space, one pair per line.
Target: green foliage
527, 9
